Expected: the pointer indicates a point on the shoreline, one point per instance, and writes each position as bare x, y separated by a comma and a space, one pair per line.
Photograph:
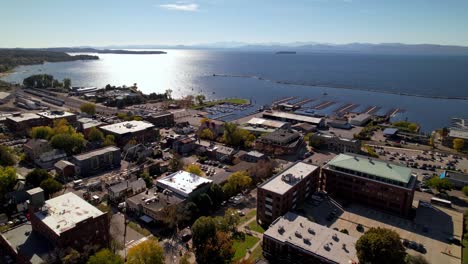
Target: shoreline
338, 87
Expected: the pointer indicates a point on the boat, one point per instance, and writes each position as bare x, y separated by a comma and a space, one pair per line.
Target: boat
286, 52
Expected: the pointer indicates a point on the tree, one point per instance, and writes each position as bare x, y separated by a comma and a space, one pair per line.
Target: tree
184, 259
218, 249
70, 143
36, 176
50, 186
105, 256
458, 144
7, 180
7, 158
42, 132
67, 83
418, 259
39, 81
147, 252
230, 220
440, 184
109, 140
73, 257
465, 190
61, 126
148, 179
169, 94
380, 245
194, 168
200, 99
231, 137
175, 163
207, 134
216, 194
236, 182
204, 203
88, 108
95, 135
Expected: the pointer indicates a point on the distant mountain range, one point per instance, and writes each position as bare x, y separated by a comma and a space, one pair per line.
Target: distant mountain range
384, 48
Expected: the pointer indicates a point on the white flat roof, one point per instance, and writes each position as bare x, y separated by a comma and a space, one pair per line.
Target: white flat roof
182, 182
266, 122
285, 180
23, 117
65, 211
301, 118
127, 127
458, 133
314, 238
55, 114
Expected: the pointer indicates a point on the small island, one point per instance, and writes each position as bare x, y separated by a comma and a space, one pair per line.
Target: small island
286, 52
11, 58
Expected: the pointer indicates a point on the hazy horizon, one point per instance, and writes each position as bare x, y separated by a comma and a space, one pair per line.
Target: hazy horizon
55, 23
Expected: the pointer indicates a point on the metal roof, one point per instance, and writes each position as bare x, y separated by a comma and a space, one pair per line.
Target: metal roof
127, 127
373, 167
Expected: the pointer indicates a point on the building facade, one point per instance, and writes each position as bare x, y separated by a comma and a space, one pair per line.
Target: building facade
370, 181
162, 119
335, 143
96, 161
286, 190
279, 142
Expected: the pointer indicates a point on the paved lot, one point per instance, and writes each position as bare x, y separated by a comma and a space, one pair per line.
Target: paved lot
441, 223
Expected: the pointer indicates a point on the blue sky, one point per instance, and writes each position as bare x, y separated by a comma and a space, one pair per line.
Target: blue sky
48, 23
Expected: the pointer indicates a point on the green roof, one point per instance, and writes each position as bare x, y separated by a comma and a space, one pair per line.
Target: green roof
373, 167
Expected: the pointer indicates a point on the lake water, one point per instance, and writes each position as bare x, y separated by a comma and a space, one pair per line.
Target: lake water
191, 72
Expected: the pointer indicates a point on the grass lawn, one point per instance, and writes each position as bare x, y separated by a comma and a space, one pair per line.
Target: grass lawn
139, 229
248, 216
228, 100
256, 253
241, 245
254, 226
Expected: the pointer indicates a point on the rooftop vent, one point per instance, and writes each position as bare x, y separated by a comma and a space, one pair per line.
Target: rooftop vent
306, 241
298, 234
326, 247
311, 231
335, 237
281, 229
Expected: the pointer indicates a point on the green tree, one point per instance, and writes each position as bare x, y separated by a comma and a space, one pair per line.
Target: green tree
88, 108
71, 143
458, 144
73, 257
200, 99
7, 180
204, 203
147, 252
148, 179
67, 83
36, 176
7, 157
380, 245
39, 81
207, 134
184, 259
50, 186
109, 140
42, 132
230, 221
175, 163
218, 249
237, 182
440, 184
194, 168
465, 190
413, 127
95, 135
231, 136
169, 94
216, 194
105, 256
418, 259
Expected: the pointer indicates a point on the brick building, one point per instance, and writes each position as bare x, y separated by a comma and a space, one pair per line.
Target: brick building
54, 115
335, 143
161, 119
96, 161
141, 131
283, 192
21, 123
294, 239
279, 142
377, 183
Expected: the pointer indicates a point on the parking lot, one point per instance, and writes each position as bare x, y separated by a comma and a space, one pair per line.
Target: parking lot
431, 228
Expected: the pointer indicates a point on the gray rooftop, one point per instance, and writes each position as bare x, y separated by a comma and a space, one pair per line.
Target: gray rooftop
55, 114
387, 172
97, 152
458, 133
295, 117
284, 181
23, 117
281, 136
154, 200
316, 239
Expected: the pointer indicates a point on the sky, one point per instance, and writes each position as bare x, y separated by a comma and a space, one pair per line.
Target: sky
56, 23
